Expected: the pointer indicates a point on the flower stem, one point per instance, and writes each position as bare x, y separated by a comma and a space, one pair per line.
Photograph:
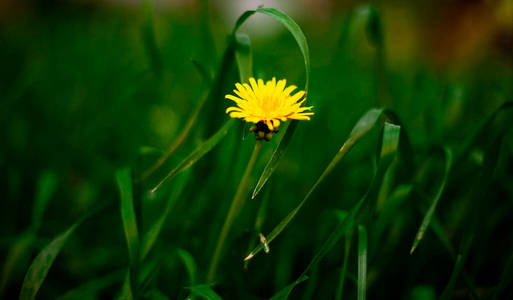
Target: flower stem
237, 203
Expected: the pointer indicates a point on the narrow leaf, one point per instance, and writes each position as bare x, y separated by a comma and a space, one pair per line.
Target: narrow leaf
45, 188
198, 153
91, 288
151, 236
204, 291
458, 267
189, 263
427, 218
285, 292
362, 262
124, 181
244, 57
362, 127
39, 268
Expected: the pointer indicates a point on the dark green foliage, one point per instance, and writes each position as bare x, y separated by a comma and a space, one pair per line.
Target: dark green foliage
124, 110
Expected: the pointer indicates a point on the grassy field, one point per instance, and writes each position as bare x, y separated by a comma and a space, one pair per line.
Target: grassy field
123, 177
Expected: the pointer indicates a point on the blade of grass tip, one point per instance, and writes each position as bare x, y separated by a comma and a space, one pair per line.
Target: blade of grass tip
362, 127
151, 236
285, 292
39, 268
244, 58
427, 218
124, 181
362, 262
302, 43
190, 264
458, 266
89, 289
203, 290
177, 142
46, 186
343, 272
198, 153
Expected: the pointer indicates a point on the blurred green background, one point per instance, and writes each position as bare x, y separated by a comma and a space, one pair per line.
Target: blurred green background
90, 86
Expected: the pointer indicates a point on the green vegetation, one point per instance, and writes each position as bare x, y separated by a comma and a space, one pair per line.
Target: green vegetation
123, 177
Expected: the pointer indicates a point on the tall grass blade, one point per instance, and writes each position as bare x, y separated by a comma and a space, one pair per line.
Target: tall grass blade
458, 267
124, 181
89, 289
198, 153
347, 249
204, 291
39, 268
189, 263
362, 127
244, 57
362, 262
151, 236
428, 216
285, 292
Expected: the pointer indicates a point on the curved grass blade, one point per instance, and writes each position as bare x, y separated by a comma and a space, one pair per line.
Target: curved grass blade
458, 267
198, 153
244, 57
362, 262
126, 289
89, 289
427, 218
285, 292
151, 236
189, 263
204, 291
45, 188
39, 268
124, 181
362, 127
300, 38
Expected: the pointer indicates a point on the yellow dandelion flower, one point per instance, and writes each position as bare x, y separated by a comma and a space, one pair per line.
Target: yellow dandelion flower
266, 105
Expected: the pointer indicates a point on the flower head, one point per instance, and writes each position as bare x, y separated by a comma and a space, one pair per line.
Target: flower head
266, 105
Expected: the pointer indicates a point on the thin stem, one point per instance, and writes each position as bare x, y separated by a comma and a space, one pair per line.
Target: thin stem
237, 203
177, 142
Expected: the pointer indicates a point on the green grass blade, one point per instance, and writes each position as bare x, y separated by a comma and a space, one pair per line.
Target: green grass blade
343, 273
150, 41
126, 288
91, 288
427, 218
285, 292
151, 236
198, 153
300, 38
244, 57
362, 262
362, 127
124, 181
204, 291
205, 74
46, 185
458, 267
39, 268
189, 263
